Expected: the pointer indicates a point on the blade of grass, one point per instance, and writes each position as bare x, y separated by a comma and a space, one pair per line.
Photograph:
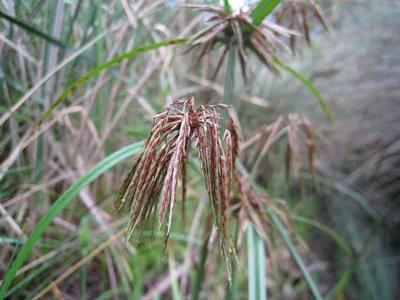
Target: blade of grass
262, 155
33, 30
262, 274
49, 75
16, 115
295, 255
286, 238
104, 66
348, 274
345, 191
172, 271
256, 260
203, 258
79, 264
61, 203
327, 230
227, 7
310, 87
18, 34
231, 293
230, 69
262, 10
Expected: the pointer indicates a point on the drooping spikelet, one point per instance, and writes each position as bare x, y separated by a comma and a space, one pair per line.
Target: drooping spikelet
152, 183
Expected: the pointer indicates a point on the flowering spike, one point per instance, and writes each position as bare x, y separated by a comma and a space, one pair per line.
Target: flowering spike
152, 183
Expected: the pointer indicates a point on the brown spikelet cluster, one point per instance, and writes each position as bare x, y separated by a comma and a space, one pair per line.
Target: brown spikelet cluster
300, 129
253, 204
151, 186
294, 14
238, 29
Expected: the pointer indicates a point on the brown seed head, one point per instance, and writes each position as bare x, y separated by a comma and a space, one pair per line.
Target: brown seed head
152, 183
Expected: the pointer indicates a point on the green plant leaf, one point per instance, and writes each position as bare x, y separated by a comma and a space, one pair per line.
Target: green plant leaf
61, 203
311, 88
104, 66
33, 30
295, 255
327, 230
256, 259
263, 9
286, 238
16, 114
227, 7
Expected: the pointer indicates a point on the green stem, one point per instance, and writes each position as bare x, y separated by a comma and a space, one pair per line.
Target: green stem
286, 238
230, 68
203, 258
261, 156
344, 281
295, 255
231, 292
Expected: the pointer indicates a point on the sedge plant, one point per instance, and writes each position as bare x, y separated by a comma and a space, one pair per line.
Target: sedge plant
151, 186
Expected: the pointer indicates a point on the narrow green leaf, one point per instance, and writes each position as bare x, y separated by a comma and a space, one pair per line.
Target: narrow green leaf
33, 30
311, 88
295, 255
227, 7
16, 114
104, 66
286, 238
256, 260
327, 230
201, 266
263, 9
61, 203
360, 199
230, 72
252, 264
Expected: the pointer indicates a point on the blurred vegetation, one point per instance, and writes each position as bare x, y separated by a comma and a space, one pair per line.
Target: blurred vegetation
59, 174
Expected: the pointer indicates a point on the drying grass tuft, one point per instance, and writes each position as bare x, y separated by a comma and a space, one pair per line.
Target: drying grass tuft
152, 183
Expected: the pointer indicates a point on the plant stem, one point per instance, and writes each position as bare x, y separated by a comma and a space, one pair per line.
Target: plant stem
230, 68
232, 291
203, 258
295, 255
286, 238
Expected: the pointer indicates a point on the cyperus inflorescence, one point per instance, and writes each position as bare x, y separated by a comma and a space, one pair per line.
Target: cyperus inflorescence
150, 188
237, 29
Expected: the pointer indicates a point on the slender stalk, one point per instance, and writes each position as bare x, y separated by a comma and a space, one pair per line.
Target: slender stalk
261, 156
286, 238
344, 281
232, 292
295, 255
203, 258
230, 68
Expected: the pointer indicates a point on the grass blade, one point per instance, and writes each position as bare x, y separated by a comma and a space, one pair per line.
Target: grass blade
202, 262
257, 273
311, 88
33, 30
104, 66
327, 230
286, 238
61, 203
229, 76
295, 255
263, 9
227, 7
